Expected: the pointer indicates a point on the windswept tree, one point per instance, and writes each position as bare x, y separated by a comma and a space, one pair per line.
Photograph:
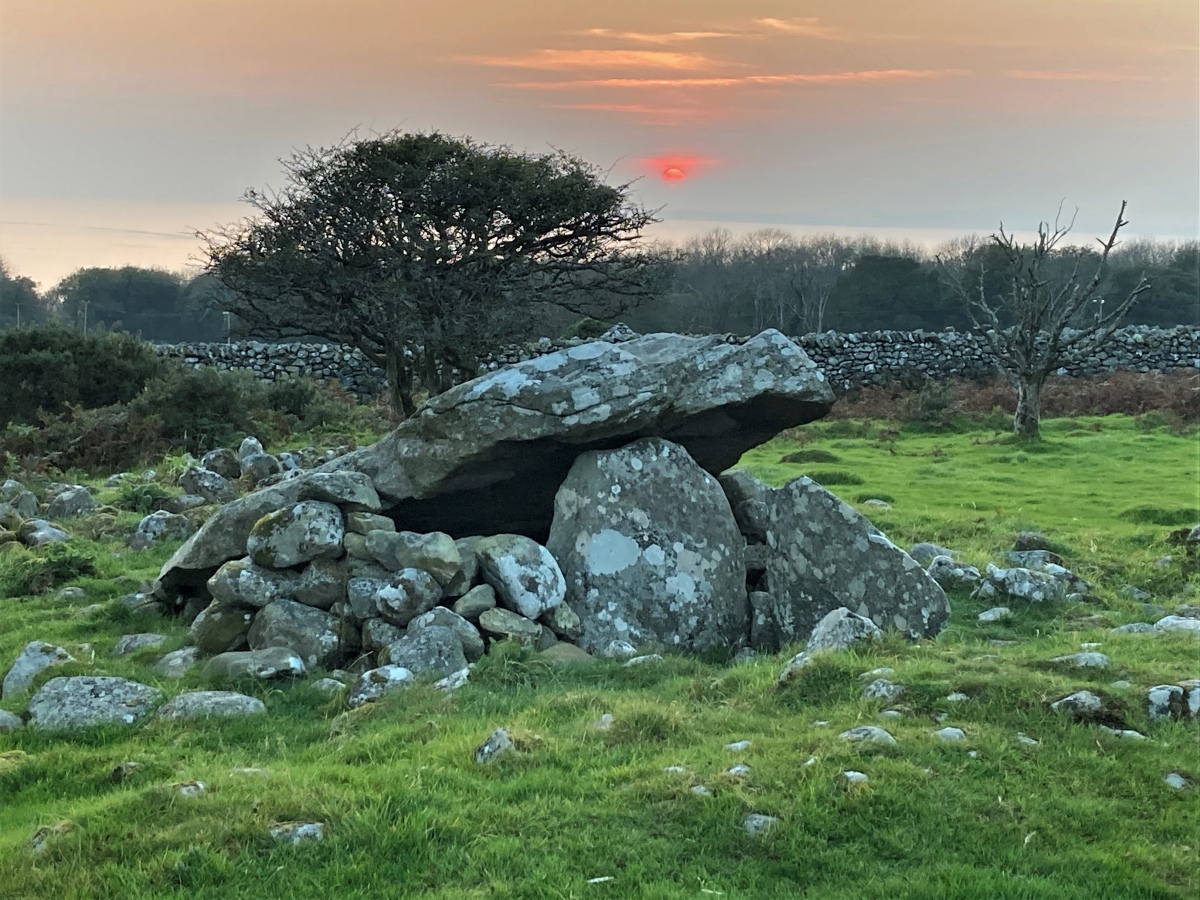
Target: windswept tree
19, 301
1038, 305
424, 250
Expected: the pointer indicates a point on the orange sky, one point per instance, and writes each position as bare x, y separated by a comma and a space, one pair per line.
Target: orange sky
124, 124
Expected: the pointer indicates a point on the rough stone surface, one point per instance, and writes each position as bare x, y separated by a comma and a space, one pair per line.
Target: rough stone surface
497, 744
838, 630
468, 573
38, 532
322, 583
526, 577
36, 657
467, 634
221, 628
65, 704
507, 625
177, 663
271, 662
296, 534
1080, 702
822, 554
566, 654
1166, 701
435, 553
241, 582
363, 523
476, 601
294, 833
925, 552
131, 643
353, 491
756, 824
869, 735
160, 524
375, 684
406, 595
432, 650
882, 689
223, 461
9, 722
72, 500
650, 550
210, 704
995, 614
948, 573
311, 633
563, 621
1179, 624
207, 484
1083, 660
377, 634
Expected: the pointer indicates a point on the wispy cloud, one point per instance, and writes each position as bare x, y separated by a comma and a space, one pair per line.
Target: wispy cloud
648, 113
870, 75
808, 27
666, 37
559, 60
1070, 75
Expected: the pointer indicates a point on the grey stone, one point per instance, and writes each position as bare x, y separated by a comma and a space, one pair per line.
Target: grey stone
649, 549
563, 621
1123, 733
868, 735
271, 662
851, 777
406, 595
74, 500
468, 634
140, 603
183, 503
375, 684
1134, 593
209, 705
223, 461
177, 663
293, 833
310, 632
66, 704
620, 650
377, 634
882, 689
1083, 660
160, 525
38, 532
995, 614
241, 582
497, 744
948, 573
1080, 702
1021, 584
70, 594
207, 484
363, 523
1176, 781
1037, 560
221, 628
1166, 701
1178, 624
353, 491
432, 650
840, 629
356, 548
249, 447
36, 657
259, 466
468, 574
9, 722
566, 654
487, 456
476, 601
322, 583
546, 639
1031, 540
9, 489
950, 735
296, 534
756, 824
825, 555
435, 553
131, 643
328, 686
526, 577
26, 504
925, 552
507, 625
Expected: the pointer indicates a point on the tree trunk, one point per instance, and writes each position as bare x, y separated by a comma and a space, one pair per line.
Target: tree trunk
1027, 420
399, 378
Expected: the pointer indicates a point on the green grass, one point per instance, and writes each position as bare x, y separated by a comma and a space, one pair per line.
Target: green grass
409, 814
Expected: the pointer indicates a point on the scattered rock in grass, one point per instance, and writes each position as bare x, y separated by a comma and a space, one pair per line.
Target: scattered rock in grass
68, 501
1083, 660
948, 573
675, 770
741, 770
90, 610
1022, 584
9, 722
33, 659
881, 672
67, 704
854, 778
189, 788
756, 824
38, 532
328, 686
70, 594
497, 744
294, 833
1176, 781
868, 735
957, 697
604, 723
620, 650
1134, 593
141, 603
891, 714
1037, 560
210, 704
876, 503
1090, 645
1079, 703
738, 746
995, 614
641, 660
223, 461
453, 681
1164, 562
700, 790
131, 643
840, 629
160, 524
269, 662
1031, 540
925, 552
950, 735
43, 837
1026, 739
1166, 701
1126, 733
177, 663
1121, 684
124, 772
375, 684
882, 689
1178, 623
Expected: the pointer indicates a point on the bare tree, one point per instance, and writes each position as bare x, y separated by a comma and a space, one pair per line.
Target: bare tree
1047, 310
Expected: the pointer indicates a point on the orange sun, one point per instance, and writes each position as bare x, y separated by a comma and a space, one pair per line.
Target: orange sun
673, 173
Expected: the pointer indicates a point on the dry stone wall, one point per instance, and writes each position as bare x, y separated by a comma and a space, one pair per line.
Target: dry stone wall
846, 359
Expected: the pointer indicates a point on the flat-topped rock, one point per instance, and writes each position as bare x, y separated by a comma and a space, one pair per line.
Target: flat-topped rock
67, 704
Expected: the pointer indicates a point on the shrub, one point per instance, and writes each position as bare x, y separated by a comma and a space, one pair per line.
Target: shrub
834, 477
26, 574
140, 496
585, 329
48, 367
810, 456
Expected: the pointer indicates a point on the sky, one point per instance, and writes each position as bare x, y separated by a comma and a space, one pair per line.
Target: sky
128, 125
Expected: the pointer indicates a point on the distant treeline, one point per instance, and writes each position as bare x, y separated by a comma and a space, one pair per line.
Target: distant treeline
715, 282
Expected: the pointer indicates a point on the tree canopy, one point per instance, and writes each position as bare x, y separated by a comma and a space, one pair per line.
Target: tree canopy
425, 250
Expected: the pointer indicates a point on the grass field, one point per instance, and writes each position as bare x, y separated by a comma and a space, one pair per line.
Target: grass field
407, 813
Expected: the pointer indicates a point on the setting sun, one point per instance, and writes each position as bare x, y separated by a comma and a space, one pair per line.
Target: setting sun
673, 173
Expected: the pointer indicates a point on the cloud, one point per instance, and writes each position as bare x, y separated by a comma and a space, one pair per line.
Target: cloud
1074, 75
558, 60
808, 27
870, 75
657, 115
666, 37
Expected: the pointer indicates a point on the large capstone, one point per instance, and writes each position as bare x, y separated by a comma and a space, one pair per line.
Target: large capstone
488, 456
819, 554
650, 550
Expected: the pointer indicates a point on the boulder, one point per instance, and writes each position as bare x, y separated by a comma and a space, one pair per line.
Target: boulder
563, 621
564, 654
210, 705
822, 554
311, 633
221, 627
249, 447
72, 500
26, 504
432, 650
487, 456
353, 491
363, 523
1035, 586
506, 625
177, 663
434, 553
375, 684
223, 461
270, 662
33, 659
131, 643
476, 602
467, 634
10, 722
468, 573
207, 484
160, 524
840, 629
405, 595
322, 583
924, 552
377, 634
524, 574
259, 466
37, 532
241, 582
296, 534
66, 704
649, 549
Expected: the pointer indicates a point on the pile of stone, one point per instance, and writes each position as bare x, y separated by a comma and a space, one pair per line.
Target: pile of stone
20, 523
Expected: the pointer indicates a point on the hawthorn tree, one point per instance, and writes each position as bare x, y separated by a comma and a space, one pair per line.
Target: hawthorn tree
424, 250
1038, 305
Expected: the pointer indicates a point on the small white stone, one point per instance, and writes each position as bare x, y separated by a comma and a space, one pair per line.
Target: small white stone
756, 824
739, 745
620, 650
639, 660
741, 770
1176, 781
297, 832
1026, 739
974, 754
1089, 645
604, 723
957, 697
700, 790
950, 734
891, 714
820, 723
853, 777
1122, 684
190, 788
675, 770
868, 734
881, 672
995, 614
811, 761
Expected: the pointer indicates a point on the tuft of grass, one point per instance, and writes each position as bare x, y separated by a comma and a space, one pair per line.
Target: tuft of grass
810, 456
